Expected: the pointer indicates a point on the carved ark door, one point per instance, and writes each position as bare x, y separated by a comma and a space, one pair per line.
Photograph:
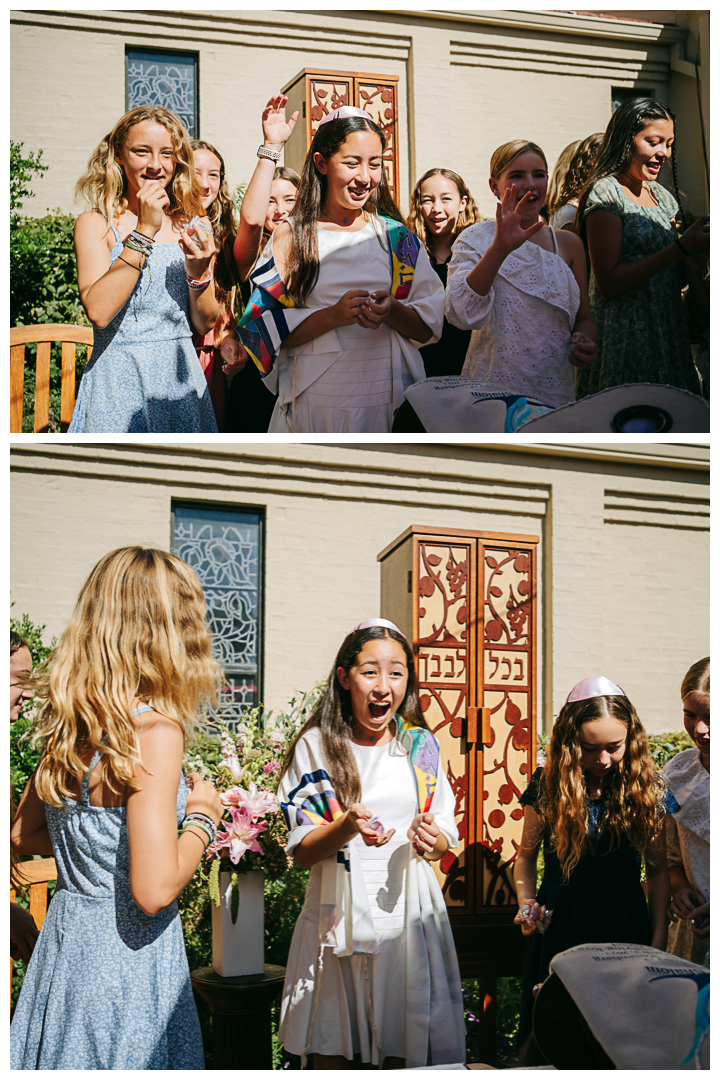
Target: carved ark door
467, 601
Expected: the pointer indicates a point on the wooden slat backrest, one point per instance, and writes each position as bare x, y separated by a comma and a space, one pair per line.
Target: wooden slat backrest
44, 334
36, 873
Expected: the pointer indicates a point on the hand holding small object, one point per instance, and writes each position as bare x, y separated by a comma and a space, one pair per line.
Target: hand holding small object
198, 247
533, 918
203, 798
582, 350
375, 310
372, 832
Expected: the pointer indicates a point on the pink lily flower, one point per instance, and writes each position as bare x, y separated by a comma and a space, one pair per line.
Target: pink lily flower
254, 802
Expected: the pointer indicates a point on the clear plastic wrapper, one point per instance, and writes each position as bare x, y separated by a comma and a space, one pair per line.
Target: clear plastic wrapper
198, 223
375, 824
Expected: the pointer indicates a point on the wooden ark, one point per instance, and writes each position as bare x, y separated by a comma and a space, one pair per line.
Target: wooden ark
468, 603
316, 93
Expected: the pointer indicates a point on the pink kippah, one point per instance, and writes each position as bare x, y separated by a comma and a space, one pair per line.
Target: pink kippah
343, 112
596, 686
377, 622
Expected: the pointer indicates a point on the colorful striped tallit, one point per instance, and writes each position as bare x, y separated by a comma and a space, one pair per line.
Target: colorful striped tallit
263, 325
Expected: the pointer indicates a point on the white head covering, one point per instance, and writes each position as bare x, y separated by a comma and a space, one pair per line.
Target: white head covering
377, 622
595, 686
343, 112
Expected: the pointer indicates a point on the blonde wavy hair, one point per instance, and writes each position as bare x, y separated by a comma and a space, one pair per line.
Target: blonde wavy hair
633, 809
506, 154
697, 679
138, 631
469, 215
104, 185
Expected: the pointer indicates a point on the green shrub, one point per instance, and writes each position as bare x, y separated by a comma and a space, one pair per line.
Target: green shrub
43, 280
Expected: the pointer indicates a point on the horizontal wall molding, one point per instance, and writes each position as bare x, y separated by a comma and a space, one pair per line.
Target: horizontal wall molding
560, 60
665, 510
217, 475
285, 31
558, 22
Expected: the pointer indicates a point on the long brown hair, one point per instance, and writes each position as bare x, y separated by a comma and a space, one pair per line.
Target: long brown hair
578, 171
333, 713
615, 153
104, 184
303, 260
138, 631
633, 809
469, 215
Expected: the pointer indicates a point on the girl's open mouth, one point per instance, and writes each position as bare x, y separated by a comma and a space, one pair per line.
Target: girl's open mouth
378, 711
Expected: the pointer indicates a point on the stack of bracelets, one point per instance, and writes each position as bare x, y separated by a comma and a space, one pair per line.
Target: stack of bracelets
137, 241
200, 283
200, 821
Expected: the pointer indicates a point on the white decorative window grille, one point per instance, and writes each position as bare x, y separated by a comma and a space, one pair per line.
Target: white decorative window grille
224, 548
167, 79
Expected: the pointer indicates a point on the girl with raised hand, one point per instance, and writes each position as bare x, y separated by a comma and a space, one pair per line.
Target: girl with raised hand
521, 287
372, 971
218, 205
441, 207
562, 206
267, 202
108, 985
688, 830
639, 265
344, 292
598, 808
145, 274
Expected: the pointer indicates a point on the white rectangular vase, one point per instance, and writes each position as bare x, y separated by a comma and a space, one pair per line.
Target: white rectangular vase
240, 949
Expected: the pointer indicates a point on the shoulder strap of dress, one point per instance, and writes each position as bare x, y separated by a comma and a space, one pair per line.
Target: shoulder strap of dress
142, 709
554, 240
85, 786
112, 226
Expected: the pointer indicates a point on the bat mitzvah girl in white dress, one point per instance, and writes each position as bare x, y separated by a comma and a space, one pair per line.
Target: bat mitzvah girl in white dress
372, 971
344, 293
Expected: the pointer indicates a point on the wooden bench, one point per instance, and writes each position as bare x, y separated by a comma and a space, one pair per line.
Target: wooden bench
36, 873
44, 334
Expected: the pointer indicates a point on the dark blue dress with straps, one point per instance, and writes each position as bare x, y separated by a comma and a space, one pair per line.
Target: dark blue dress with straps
602, 901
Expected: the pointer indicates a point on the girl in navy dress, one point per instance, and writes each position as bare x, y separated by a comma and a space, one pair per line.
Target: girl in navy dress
108, 985
598, 808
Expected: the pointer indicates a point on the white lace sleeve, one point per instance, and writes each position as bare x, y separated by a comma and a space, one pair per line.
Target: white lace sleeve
672, 841
463, 306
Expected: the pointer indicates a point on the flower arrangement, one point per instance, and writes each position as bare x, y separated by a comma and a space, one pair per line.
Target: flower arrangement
252, 833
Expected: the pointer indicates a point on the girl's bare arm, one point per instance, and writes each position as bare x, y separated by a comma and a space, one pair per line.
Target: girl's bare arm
29, 834
161, 862
525, 872
613, 277
327, 840
658, 887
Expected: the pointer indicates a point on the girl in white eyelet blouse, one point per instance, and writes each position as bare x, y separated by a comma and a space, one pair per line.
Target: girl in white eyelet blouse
521, 287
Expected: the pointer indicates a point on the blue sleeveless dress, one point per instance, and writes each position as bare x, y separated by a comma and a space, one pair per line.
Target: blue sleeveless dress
144, 374
107, 987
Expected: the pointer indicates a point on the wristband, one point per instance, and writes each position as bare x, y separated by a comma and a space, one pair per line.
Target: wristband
273, 155
206, 843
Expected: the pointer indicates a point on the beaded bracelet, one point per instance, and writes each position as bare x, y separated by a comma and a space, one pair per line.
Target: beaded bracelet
145, 243
132, 265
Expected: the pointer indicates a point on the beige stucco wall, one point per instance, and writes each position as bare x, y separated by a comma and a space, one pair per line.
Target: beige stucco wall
468, 81
623, 576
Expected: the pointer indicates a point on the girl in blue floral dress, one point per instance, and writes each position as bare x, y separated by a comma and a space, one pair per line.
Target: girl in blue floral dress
146, 280
108, 985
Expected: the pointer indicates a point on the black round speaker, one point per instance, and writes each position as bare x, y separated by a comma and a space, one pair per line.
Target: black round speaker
642, 420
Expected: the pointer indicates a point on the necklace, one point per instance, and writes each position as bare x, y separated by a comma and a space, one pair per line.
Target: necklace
360, 735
